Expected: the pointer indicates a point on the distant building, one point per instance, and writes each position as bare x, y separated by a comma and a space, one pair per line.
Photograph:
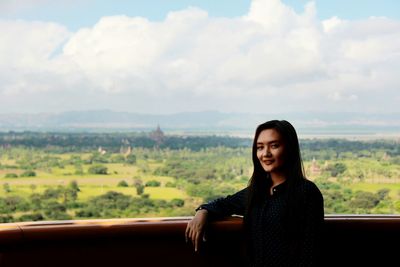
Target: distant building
126, 148
157, 135
314, 168
385, 156
101, 151
126, 151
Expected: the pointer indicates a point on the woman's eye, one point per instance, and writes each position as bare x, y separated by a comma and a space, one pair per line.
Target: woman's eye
259, 148
274, 146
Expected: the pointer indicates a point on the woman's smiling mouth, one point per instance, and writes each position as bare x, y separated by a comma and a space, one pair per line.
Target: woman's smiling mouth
268, 162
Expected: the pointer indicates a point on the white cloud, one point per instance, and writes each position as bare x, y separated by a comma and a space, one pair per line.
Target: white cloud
331, 24
271, 59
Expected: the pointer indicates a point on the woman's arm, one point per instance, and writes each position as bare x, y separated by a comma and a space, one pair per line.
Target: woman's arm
221, 207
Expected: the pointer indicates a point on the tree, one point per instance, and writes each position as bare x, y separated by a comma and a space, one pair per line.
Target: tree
88, 213
131, 159
35, 201
31, 217
56, 211
52, 193
122, 183
139, 189
337, 169
138, 184
29, 173
177, 202
6, 218
109, 201
153, 183
170, 184
383, 193
364, 200
98, 169
73, 185
71, 191
6, 188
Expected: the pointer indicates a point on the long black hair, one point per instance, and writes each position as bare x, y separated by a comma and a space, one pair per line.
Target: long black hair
293, 168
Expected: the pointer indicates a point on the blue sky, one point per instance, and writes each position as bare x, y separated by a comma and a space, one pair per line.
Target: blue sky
76, 14
159, 56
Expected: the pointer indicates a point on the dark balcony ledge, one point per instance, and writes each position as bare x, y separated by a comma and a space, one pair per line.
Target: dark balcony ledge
353, 239
83, 229
43, 230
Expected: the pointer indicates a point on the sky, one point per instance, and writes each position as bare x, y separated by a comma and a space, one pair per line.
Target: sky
163, 57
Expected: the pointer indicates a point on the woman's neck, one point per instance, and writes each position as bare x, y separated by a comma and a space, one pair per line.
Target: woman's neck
277, 178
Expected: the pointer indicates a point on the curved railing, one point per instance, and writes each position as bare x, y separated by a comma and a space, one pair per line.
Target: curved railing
349, 240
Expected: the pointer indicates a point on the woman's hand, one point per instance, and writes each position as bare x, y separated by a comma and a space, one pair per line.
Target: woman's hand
195, 228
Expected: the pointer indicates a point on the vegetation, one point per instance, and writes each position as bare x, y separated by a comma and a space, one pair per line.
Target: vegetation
57, 176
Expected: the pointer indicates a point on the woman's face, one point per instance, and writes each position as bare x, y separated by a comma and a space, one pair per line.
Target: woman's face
270, 150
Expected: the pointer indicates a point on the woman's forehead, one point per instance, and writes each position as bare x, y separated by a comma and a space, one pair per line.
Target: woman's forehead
268, 135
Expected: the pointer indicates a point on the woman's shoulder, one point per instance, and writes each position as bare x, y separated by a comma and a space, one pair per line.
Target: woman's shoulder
309, 187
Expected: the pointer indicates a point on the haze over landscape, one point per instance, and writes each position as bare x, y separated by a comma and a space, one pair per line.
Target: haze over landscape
337, 125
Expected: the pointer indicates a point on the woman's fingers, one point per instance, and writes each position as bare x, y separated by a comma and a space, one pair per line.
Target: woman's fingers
187, 232
196, 241
195, 229
194, 233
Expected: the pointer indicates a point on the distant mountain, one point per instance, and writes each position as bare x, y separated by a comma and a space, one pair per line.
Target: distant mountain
201, 122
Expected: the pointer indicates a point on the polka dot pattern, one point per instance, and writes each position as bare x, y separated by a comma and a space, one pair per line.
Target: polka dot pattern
273, 241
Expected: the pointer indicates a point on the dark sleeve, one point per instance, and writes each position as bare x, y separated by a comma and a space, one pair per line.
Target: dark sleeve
310, 249
230, 205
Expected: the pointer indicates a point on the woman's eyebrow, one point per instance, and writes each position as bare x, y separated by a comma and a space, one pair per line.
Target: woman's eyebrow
269, 142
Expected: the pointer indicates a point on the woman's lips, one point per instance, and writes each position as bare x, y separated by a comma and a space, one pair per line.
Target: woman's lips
268, 162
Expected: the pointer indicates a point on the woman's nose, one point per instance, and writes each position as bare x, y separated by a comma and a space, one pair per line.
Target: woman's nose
266, 152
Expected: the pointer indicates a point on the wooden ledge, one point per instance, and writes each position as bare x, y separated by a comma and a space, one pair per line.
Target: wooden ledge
349, 240
52, 230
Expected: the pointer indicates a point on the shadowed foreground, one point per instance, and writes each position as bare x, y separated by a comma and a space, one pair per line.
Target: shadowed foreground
348, 240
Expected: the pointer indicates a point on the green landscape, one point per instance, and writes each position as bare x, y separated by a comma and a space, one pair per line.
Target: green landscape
63, 176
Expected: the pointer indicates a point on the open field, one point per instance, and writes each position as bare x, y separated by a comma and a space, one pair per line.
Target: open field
42, 183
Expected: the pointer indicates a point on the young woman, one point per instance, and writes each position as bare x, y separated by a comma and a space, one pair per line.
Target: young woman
282, 211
